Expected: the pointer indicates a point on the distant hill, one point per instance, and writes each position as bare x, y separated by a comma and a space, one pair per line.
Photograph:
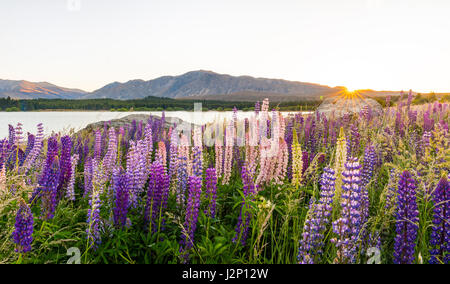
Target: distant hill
206, 84
30, 90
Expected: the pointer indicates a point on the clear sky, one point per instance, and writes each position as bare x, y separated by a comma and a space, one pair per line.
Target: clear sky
378, 44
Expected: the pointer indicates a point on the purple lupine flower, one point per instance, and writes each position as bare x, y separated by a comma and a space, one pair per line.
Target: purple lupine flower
289, 140
388, 101
125, 137
3, 152
99, 178
103, 138
311, 245
79, 149
305, 160
211, 192
158, 189
142, 168
235, 114
98, 145
139, 131
23, 232
148, 138
444, 125
137, 170
348, 226
333, 134
391, 192
428, 121
11, 135
325, 130
34, 153
373, 240
308, 236
121, 134
412, 117
399, 105
370, 159
407, 220
133, 129
354, 144
131, 162
410, 97
65, 165
399, 124
86, 142
310, 139
388, 152
49, 190
134, 173
190, 222
48, 171
440, 252
70, 193
88, 175
121, 197
111, 154
173, 148
182, 180
197, 166
257, 107
93, 220
18, 134
245, 215
30, 145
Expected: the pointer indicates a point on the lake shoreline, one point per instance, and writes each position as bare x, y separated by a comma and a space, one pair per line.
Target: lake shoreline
77, 120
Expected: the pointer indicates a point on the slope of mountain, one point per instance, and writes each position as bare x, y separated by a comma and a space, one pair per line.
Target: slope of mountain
30, 90
207, 83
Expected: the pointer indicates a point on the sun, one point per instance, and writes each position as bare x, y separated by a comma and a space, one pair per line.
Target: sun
350, 90
347, 97
350, 94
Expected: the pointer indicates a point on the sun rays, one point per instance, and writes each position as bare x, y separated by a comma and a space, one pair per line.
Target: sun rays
348, 98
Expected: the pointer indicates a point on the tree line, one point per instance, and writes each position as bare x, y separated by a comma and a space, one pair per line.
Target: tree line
146, 104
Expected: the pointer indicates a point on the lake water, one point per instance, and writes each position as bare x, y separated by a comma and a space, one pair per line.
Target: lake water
64, 121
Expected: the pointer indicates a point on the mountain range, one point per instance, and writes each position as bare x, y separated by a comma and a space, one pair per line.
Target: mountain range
201, 84
206, 83
30, 90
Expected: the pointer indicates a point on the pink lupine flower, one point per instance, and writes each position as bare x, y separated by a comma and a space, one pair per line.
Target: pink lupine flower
228, 161
70, 194
3, 179
110, 158
98, 145
219, 156
161, 155
148, 138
